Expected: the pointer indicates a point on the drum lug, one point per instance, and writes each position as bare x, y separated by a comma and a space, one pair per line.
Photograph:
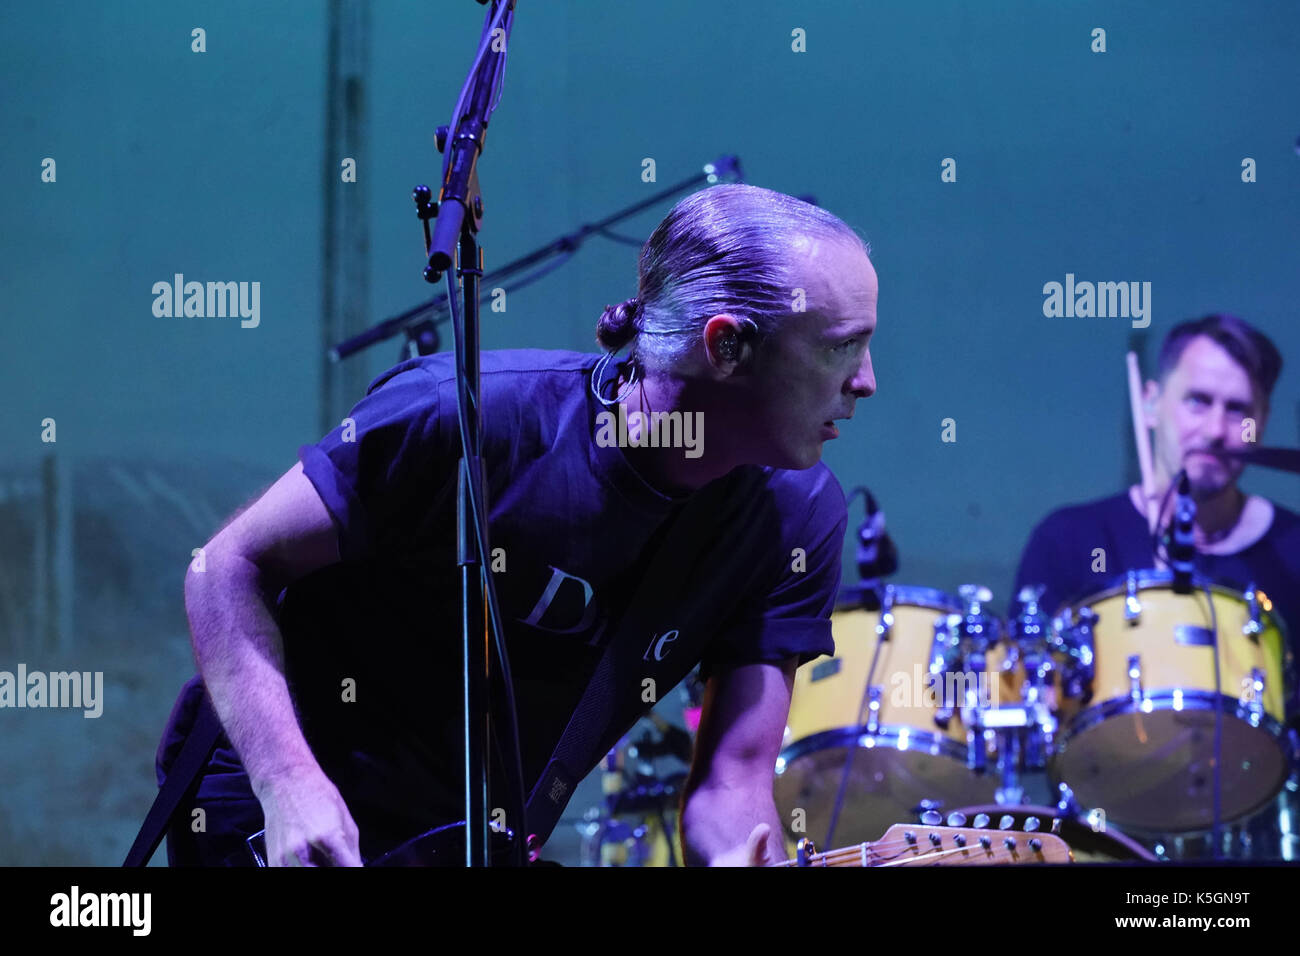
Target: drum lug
1067, 804
886, 626
1254, 625
874, 693
1252, 693
1135, 678
1132, 604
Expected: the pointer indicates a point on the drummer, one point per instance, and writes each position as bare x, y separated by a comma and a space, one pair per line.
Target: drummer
1216, 376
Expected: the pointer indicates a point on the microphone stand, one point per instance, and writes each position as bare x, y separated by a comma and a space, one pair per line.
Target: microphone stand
1181, 550
459, 213
418, 323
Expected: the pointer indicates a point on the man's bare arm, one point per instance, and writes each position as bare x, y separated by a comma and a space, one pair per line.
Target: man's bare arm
729, 791
284, 535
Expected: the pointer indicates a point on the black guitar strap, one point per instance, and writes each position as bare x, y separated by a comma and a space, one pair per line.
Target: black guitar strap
182, 779
692, 585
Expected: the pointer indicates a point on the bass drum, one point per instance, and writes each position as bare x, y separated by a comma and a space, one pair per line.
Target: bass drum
906, 761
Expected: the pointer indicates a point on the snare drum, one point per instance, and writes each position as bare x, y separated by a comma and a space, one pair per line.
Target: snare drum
1138, 742
902, 758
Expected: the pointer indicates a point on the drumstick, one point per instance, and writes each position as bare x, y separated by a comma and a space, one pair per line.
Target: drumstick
1143, 445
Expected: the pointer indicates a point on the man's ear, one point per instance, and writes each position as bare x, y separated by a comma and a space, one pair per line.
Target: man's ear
725, 341
1261, 422
1150, 394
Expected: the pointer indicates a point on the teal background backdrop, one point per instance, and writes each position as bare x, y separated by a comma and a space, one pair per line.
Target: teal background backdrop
1123, 165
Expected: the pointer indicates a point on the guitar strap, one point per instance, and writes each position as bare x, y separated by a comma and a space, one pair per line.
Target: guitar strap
182, 778
692, 585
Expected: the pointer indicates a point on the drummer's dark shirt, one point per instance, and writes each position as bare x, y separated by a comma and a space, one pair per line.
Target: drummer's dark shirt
1062, 554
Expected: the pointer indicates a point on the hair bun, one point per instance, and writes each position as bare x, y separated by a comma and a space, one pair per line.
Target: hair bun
618, 324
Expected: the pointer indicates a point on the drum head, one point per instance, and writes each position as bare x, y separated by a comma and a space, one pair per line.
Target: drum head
1154, 771
886, 786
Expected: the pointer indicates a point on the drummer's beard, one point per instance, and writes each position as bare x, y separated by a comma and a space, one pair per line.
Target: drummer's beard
1210, 476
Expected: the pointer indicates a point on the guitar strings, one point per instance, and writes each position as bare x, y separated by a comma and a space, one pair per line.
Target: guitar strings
881, 853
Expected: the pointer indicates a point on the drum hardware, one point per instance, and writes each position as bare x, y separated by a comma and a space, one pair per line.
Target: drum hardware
970, 637
1072, 637
1032, 642
886, 625
1253, 626
610, 842
632, 826
1022, 732
1135, 679
1252, 695
1132, 605
873, 711
945, 658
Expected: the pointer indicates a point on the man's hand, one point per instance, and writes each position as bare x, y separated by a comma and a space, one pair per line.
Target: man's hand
307, 822
753, 853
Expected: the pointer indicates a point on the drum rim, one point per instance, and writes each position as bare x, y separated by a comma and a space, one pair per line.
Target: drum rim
841, 736
1154, 579
1162, 700
935, 599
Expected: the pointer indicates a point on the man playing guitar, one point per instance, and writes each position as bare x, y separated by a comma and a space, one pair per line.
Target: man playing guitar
324, 622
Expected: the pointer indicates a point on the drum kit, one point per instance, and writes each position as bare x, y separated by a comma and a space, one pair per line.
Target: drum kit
1150, 724
1156, 722
642, 779
1152, 720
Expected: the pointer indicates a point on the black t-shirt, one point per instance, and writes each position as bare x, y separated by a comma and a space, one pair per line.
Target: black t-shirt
1061, 555
572, 527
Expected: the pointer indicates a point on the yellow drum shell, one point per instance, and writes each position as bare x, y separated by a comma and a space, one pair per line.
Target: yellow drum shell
1149, 764
909, 759
1167, 664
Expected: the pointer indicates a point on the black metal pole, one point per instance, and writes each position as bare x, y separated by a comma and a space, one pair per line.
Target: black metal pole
477, 712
